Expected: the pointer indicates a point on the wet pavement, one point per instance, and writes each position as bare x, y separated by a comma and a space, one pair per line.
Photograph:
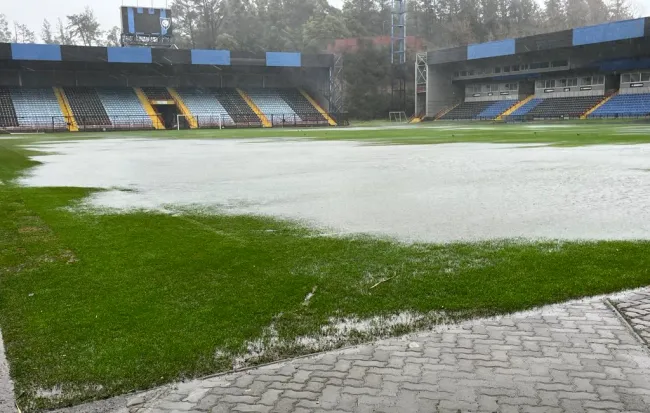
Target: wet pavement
6, 384
436, 193
579, 356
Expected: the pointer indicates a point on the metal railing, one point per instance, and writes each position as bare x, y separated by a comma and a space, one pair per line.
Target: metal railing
37, 124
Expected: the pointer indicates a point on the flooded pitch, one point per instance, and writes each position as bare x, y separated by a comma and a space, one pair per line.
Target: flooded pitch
434, 193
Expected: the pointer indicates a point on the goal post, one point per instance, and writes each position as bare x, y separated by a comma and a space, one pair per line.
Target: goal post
398, 117
202, 121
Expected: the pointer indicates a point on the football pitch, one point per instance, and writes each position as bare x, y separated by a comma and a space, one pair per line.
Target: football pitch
130, 260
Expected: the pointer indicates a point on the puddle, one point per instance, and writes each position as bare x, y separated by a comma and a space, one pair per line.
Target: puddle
436, 193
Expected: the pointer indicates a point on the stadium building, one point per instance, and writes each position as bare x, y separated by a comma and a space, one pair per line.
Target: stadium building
59, 88
599, 71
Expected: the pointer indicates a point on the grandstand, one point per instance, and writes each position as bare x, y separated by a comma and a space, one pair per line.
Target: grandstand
70, 88
600, 71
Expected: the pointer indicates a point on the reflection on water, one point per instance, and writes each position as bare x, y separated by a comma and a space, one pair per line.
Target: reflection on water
427, 192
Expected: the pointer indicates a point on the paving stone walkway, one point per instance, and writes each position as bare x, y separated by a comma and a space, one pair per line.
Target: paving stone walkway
636, 309
575, 357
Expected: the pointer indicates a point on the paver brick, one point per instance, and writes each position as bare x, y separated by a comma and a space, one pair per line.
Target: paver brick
577, 357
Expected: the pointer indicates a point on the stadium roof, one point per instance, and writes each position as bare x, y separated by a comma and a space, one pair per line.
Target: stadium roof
590, 35
147, 55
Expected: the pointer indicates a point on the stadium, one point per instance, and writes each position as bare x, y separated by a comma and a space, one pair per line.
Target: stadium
586, 73
198, 230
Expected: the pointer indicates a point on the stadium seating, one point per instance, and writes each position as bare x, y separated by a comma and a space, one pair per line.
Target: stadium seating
624, 106
87, 108
527, 107
569, 107
301, 106
236, 106
124, 108
496, 109
466, 111
273, 106
37, 108
7, 112
157, 93
203, 104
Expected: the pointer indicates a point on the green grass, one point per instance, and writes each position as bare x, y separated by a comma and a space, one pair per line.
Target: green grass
105, 304
565, 133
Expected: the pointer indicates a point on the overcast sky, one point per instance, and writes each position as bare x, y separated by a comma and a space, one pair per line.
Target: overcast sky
32, 12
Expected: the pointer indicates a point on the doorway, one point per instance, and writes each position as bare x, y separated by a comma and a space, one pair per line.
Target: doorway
168, 115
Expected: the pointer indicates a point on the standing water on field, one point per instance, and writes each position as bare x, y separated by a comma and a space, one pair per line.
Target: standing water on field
436, 193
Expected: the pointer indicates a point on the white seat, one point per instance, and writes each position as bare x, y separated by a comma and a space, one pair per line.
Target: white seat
124, 108
37, 108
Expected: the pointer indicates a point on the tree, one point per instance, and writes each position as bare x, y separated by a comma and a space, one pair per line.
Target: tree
620, 10
5, 33
554, 15
46, 33
85, 27
577, 12
318, 31
113, 37
598, 11
363, 18
63, 34
22, 34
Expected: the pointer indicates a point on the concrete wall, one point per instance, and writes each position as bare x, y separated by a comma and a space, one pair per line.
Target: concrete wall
581, 89
574, 91
642, 85
627, 90
484, 96
441, 92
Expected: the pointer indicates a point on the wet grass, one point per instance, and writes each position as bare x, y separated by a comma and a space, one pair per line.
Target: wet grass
98, 305
594, 132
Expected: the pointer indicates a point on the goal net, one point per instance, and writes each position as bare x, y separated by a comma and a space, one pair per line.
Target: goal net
397, 117
198, 121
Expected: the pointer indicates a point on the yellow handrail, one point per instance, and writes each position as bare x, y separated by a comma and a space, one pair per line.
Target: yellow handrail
191, 120
155, 119
64, 104
514, 107
254, 108
318, 107
601, 103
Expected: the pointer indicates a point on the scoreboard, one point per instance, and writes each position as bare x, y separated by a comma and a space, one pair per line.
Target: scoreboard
146, 21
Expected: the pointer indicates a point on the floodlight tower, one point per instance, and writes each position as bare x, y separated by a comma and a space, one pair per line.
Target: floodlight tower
398, 32
398, 55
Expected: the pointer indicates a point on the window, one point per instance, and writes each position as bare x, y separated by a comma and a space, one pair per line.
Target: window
512, 86
549, 83
540, 84
506, 69
572, 82
626, 78
463, 73
486, 88
562, 82
645, 77
456, 74
539, 65
470, 72
515, 68
585, 81
599, 80
524, 66
494, 87
635, 77
497, 70
559, 63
